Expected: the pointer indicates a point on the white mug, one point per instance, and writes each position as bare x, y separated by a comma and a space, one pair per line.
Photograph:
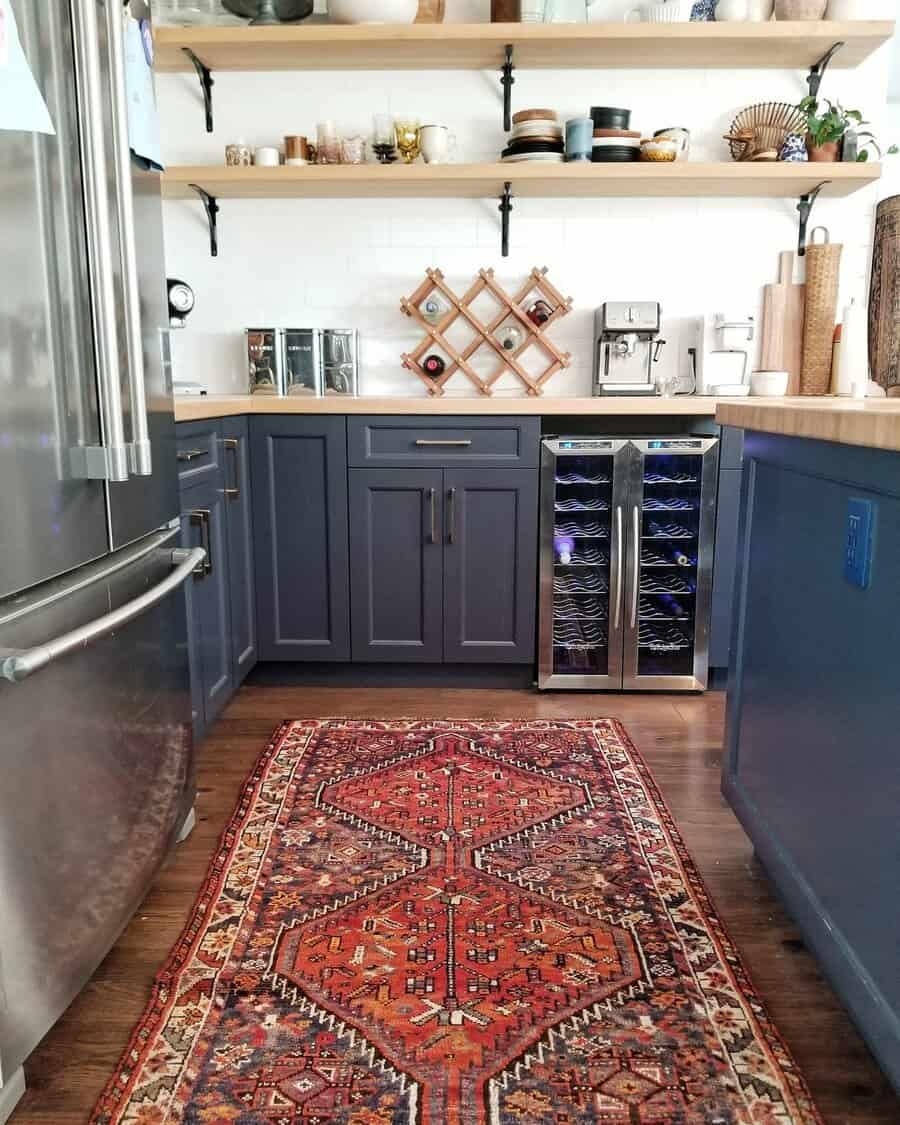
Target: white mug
734, 11
855, 10
437, 143
673, 11
760, 11
267, 157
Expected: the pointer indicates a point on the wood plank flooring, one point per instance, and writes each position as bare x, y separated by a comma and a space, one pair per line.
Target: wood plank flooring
681, 738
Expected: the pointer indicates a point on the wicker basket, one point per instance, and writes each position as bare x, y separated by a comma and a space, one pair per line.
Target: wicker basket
884, 297
823, 261
800, 9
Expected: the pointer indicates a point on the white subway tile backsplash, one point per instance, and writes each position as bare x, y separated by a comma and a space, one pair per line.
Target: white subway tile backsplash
348, 263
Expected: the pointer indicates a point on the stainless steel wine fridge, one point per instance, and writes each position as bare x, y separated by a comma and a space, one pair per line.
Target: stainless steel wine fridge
627, 534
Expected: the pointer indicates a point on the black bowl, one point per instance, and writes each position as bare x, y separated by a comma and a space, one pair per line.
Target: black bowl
613, 155
609, 117
522, 147
287, 11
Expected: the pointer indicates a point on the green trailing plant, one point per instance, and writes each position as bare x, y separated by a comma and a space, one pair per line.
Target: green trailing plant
828, 122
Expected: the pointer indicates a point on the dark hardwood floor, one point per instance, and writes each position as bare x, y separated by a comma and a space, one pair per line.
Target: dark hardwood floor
680, 736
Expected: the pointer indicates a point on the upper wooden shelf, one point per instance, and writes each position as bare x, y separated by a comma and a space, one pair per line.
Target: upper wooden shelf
481, 46
476, 181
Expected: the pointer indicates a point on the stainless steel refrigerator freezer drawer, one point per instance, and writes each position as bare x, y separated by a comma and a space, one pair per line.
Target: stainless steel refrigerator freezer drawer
96, 774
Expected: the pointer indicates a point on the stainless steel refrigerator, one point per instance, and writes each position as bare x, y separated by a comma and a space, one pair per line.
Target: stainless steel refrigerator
627, 537
96, 774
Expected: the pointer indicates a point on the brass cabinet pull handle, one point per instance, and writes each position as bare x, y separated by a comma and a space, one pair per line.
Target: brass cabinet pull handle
191, 454
443, 441
234, 445
432, 499
200, 518
451, 496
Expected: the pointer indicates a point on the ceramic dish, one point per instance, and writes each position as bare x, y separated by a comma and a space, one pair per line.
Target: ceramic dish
615, 155
537, 128
534, 115
610, 117
773, 384
617, 133
662, 150
616, 142
542, 157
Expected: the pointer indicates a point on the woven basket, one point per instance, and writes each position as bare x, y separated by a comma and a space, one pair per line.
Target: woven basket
823, 260
884, 297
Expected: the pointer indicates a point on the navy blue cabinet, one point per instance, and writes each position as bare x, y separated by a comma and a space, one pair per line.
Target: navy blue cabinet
396, 548
812, 767
235, 441
444, 564
212, 677
490, 565
300, 521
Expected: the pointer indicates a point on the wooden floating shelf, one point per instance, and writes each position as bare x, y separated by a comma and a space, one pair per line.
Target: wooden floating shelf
317, 46
483, 181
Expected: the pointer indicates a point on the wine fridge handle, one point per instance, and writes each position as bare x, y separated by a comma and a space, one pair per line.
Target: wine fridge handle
620, 564
636, 573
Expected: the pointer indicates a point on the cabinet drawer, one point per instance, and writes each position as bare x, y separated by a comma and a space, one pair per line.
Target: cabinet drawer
198, 452
480, 442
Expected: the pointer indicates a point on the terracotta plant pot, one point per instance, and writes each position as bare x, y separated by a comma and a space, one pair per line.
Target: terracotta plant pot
827, 153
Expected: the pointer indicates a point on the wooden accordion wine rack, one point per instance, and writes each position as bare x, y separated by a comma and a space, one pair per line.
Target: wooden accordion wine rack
512, 310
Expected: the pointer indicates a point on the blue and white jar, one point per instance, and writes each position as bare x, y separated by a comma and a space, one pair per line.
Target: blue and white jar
793, 148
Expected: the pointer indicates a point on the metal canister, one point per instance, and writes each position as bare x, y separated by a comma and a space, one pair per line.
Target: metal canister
264, 361
302, 361
340, 361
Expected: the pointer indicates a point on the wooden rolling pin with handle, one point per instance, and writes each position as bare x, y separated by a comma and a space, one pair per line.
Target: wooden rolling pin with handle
782, 325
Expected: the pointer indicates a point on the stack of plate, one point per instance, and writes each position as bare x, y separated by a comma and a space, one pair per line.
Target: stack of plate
536, 135
613, 141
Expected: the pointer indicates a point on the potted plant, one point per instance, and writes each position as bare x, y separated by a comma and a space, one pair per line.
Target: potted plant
827, 125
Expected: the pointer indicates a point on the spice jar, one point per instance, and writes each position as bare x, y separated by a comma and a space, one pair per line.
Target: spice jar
238, 155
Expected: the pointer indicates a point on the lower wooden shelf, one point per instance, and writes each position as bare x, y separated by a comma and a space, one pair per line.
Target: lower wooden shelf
477, 181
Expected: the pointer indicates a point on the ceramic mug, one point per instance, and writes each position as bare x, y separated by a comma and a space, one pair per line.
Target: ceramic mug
732, 11
670, 11
854, 10
267, 157
437, 144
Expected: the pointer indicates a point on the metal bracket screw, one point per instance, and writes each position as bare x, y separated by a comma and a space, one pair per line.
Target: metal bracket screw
505, 211
507, 81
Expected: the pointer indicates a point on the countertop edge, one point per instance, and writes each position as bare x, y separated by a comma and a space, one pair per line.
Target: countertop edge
870, 423
203, 408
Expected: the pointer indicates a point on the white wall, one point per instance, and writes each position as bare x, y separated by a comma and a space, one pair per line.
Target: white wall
347, 263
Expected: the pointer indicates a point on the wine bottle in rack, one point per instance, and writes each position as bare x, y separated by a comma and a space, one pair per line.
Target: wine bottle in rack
679, 558
673, 607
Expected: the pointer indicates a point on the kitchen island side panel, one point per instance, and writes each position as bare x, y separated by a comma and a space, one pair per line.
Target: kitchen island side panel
812, 766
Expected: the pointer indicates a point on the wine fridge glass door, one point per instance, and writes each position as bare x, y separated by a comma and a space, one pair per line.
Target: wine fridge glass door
671, 525
583, 535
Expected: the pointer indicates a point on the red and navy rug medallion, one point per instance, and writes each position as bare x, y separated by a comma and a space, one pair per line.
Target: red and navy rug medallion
453, 923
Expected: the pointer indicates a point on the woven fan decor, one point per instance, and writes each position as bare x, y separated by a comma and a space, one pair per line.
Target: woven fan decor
512, 309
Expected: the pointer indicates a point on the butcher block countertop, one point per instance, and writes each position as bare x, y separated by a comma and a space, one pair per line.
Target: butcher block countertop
873, 423
188, 409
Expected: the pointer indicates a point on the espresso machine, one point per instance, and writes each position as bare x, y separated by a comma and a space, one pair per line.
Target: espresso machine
626, 345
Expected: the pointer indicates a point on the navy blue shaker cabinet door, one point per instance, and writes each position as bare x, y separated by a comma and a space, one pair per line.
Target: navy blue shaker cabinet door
203, 524
299, 473
396, 533
239, 513
490, 565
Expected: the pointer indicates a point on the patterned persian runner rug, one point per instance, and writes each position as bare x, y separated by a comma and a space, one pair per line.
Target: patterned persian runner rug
453, 923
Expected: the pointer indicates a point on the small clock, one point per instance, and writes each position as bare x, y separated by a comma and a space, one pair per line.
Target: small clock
181, 302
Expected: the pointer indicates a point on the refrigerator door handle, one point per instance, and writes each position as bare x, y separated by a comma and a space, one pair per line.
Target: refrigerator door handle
636, 558
140, 452
18, 665
620, 564
114, 450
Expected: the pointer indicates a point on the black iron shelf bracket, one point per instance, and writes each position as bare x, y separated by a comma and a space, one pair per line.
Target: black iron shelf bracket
206, 84
505, 212
211, 206
817, 72
805, 206
507, 81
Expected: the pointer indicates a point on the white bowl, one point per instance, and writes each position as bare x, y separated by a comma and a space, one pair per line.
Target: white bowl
771, 384
373, 11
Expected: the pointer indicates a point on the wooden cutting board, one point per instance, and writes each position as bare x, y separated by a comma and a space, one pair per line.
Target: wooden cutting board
431, 11
782, 327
